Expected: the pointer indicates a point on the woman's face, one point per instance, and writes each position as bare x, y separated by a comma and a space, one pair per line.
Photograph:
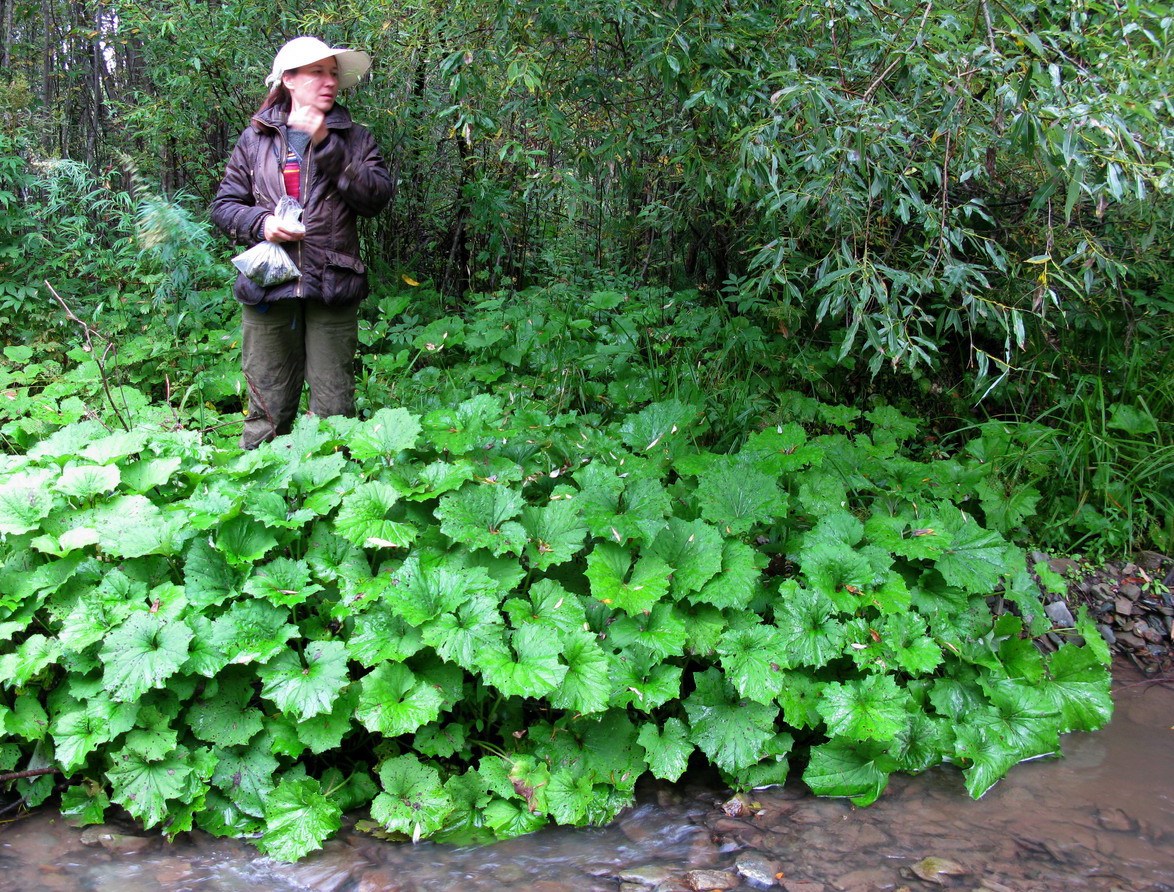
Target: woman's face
314, 85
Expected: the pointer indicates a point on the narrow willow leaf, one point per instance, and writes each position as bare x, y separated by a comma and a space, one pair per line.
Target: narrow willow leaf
667, 748
394, 701
142, 654
307, 684
298, 819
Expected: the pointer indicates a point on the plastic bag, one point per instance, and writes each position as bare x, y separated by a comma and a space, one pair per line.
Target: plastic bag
268, 263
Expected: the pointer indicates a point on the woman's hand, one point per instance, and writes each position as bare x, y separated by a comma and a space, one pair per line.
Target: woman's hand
309, 120
275, 231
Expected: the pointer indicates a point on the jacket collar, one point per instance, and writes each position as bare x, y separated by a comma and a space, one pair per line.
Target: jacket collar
338, 118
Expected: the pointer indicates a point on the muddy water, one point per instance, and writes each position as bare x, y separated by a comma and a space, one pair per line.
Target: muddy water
1100, 820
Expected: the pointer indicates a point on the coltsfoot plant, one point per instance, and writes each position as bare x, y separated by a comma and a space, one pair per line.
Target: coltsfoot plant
483, 619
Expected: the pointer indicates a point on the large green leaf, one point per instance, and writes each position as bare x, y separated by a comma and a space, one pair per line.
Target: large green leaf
363, 518
667, 748
382, 634
81, 730
421, 592
554, 534
732, 732
737, 583
753, 659
481, 516
640, 678
533, 670
585, 687
144, 786
617, 583
413, 801
735, 497
243, 540
298, 819
393, 700
283, 581
25, 501
86, 481
693, 549
975, 559
252, 631
810, 634
870, 708
142, 654
859, 769
384, 435
306, 684
658, 425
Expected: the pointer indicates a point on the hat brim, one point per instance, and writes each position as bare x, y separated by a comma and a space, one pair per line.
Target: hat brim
352, 65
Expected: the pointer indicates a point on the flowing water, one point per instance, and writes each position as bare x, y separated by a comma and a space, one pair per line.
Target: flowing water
1100, 820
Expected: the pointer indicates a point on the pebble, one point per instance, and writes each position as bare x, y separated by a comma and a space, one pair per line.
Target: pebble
864, 880
932, 869
757, 869
647, 875
704, 880
1059, 613
802, 885
114, 840
382, 880
1116, 820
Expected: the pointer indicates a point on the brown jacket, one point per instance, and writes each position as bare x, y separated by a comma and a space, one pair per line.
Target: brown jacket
343, 176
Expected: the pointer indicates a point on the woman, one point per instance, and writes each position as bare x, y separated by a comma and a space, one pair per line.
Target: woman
303, 144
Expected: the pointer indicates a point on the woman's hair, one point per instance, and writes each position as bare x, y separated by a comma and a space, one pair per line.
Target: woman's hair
278, 96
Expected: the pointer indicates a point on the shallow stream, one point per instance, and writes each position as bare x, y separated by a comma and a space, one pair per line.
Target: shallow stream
1100, 819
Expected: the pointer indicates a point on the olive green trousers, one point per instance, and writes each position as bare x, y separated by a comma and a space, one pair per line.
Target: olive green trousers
294, 342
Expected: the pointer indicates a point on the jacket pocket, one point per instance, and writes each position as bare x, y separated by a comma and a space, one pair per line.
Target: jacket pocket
344, 278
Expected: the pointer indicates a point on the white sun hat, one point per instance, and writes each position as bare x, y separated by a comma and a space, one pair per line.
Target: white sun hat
352, 64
